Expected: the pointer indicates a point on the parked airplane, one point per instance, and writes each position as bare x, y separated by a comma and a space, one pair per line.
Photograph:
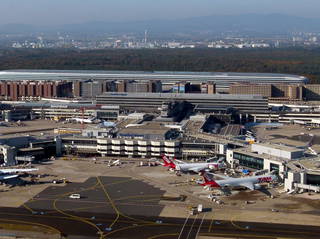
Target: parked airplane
114, 163
191, 167
252, 183
4, 177
9, 173
85, 121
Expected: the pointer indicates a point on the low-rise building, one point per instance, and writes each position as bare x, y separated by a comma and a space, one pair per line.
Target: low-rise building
312, 92
271, 91
153, 101
16, 90
303, 175
271, 157
280, 151
7, 155
138, 148
59, 111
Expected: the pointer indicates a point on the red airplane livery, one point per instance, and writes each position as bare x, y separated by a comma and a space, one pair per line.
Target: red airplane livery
252, 183
191, 167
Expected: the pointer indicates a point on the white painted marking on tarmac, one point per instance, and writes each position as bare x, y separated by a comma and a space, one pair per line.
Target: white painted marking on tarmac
200, 226
192, 226
183, 226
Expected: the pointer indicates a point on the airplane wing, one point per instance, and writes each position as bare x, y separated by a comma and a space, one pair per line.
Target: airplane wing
18, 170
4, 177
197, 169
248, 185
179, 161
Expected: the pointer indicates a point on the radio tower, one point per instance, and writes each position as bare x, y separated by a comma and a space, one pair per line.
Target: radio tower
145, 36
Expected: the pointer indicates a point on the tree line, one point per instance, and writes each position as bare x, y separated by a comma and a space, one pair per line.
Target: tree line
300, 61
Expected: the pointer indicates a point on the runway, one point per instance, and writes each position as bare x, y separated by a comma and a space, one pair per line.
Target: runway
116, 207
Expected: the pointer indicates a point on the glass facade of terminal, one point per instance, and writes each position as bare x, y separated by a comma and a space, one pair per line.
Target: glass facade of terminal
249, 161
313, 179
274, 167
109, 115
79, 142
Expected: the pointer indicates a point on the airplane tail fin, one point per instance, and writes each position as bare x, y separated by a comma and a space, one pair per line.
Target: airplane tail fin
209, 181
166, 162
172, 161
206, 177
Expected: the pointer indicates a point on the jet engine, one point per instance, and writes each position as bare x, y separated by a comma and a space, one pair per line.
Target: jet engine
257, 186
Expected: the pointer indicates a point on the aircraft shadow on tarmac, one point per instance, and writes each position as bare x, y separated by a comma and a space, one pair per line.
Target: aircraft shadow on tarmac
228, 191
265, 191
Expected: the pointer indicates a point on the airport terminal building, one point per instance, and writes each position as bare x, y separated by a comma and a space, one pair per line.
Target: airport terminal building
243, 103
297, 170
222, 80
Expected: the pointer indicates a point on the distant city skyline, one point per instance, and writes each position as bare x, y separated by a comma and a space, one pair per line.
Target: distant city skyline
49, 12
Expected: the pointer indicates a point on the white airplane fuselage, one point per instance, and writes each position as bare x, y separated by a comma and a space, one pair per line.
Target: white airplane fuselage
249, 182
234, 182
11, 172
201, 166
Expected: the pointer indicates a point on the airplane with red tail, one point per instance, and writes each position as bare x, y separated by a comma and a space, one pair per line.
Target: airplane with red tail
168, 163
192, 167
252, 183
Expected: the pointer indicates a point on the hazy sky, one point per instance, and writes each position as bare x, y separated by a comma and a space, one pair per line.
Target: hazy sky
44, 12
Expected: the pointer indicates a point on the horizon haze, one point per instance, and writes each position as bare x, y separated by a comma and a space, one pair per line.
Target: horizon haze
61, 12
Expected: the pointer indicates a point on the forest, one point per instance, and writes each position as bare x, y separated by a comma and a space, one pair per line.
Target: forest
300, 61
